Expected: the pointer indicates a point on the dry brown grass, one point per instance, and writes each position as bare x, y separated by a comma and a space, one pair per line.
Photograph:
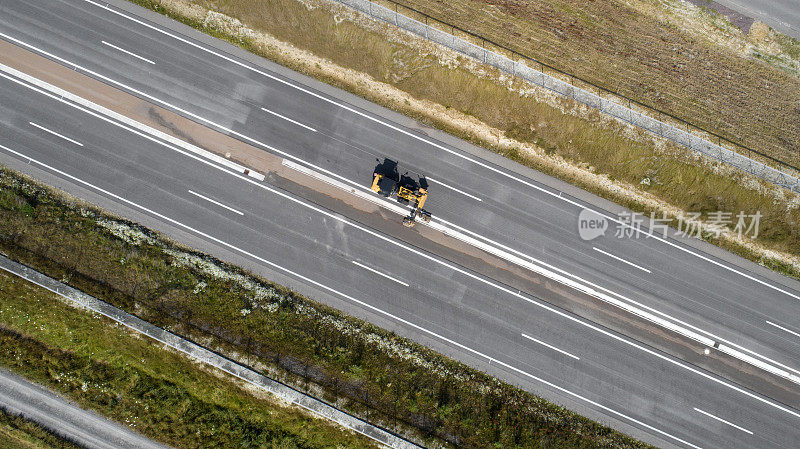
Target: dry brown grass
660, 64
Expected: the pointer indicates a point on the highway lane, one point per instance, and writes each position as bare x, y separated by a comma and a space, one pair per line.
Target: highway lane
60, 416
316, 128
783, 15
429, 294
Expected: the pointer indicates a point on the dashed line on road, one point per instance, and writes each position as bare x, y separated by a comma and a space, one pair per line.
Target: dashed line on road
215, 202
722, 420
551, 347
380, 273
620, 259
288, 119
454, 189
56, 134
783, 328
129, 53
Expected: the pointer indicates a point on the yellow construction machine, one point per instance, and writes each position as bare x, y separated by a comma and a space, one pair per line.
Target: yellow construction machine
408, 191
416, 198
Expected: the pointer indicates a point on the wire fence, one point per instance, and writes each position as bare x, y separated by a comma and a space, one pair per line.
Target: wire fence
623, 108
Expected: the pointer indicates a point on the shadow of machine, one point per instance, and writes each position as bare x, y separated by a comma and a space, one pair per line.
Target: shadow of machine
387, 181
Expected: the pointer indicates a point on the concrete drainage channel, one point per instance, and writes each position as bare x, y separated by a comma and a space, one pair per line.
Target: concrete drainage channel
313, 405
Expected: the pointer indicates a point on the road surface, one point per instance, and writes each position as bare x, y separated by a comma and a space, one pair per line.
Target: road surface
87, 429
783, 15
467, 315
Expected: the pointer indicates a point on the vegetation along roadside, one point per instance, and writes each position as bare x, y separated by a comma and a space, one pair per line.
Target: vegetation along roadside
523, 122
368, 371
17, 432
151, 389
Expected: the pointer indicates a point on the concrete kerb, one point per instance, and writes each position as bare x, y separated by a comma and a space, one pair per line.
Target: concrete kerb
193, 350
558, 186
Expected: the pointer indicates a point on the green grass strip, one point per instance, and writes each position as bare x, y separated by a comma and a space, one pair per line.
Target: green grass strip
129, 379
371, 372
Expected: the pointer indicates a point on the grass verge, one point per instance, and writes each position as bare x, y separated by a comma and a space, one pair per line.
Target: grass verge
683, 60
367, 370
159, 393
524, 123
17, 432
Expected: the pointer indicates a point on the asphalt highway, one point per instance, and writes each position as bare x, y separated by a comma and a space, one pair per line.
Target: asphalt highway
55, 413
530, 218
604, 375
624, 380
783, 15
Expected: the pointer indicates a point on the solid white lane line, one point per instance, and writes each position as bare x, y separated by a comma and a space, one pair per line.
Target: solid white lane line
625, 298
456, 269
127, 52
454, 189
424, 255
379, 273
56, 134
288, 119
620, 259
784, 329
215, 202
530, 184
551, 347
380, 311
514, 293
434, 144
689, 331
722, 420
